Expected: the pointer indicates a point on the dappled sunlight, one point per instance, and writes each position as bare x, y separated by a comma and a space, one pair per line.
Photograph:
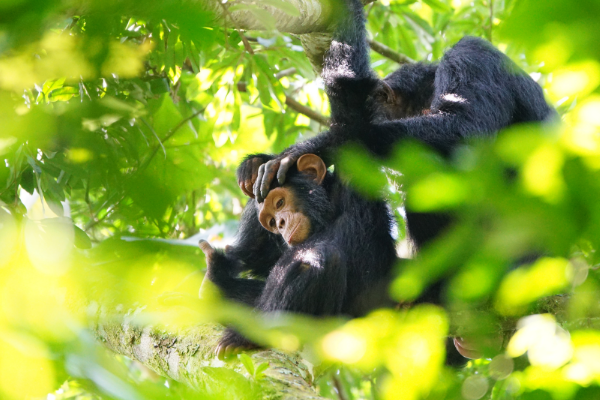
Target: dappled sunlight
578, 79
49, 243
122, 125
63, 57
522, 286
542, 173
344, 347
26, 367
439, 191
546, 344
415, 354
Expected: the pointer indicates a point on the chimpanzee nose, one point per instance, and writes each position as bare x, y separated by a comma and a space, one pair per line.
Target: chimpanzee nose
281, 223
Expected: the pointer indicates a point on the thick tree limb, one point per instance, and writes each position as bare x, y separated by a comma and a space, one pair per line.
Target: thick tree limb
187, 356
312, 15
312, 23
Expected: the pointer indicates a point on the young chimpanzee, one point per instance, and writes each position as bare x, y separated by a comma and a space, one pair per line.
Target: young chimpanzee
323, 249
474, 90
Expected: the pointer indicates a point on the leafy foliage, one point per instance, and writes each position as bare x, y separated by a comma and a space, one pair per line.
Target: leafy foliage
122, 123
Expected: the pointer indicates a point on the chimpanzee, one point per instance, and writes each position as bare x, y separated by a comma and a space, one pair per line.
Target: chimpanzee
323, 249
474, 90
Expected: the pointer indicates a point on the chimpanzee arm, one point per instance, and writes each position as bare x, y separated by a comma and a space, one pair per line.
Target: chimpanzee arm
349, 80
347, 72
310, 279
221, 271
254, 248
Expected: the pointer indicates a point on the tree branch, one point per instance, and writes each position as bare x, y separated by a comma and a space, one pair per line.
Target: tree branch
312, 16
293, 104
385, 51
310, 113
312, 25
187, 356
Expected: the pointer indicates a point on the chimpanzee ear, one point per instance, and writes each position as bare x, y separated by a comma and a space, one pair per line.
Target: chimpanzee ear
387, 92
312, 165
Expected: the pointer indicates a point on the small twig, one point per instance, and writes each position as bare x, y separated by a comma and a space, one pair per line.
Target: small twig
146, 162
385, 51
369, 10
294, 105
244, 38
169, 136
155, 135
338, 387
310, 113
285, 72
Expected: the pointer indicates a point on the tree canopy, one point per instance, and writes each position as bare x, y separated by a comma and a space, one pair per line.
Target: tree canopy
121, 126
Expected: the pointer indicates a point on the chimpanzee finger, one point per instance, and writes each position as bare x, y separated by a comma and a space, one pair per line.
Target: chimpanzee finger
270, 171
242, 175
284, 166
233, 350
220, 351
256, 163
206, 248
250, 175
259, 176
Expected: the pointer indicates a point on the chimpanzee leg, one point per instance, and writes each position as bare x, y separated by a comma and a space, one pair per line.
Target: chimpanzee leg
312, 282
306, 280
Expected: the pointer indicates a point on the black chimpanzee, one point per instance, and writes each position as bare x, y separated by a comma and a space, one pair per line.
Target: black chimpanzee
322, 249
474, 90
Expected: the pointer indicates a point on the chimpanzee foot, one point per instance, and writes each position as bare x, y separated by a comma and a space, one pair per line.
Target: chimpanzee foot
232, 343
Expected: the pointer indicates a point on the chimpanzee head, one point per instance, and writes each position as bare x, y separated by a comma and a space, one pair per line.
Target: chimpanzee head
301, 207
406, 92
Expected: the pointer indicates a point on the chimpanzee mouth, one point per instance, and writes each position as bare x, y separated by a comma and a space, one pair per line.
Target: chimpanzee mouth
291, 236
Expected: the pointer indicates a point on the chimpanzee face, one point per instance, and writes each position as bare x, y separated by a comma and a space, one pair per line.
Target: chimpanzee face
280, 214
300, 207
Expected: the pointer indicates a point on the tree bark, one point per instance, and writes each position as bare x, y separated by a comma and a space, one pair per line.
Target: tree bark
311, 23
187, 356
310, 16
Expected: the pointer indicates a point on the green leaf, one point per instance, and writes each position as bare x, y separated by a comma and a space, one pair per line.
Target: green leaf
52, 84
28, 180
64, 94
82, 240
247, 362
50, 185
260, 369
363, 172
438, 6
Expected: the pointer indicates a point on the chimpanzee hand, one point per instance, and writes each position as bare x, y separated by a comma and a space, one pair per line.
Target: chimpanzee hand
208, 251
277, 166
233, 343
216, 263
247, 172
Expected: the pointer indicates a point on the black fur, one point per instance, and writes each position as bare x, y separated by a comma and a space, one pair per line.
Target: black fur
474, 91
341, 268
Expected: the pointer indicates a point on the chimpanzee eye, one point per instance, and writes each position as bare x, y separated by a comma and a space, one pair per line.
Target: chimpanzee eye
272, 223
279, 204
